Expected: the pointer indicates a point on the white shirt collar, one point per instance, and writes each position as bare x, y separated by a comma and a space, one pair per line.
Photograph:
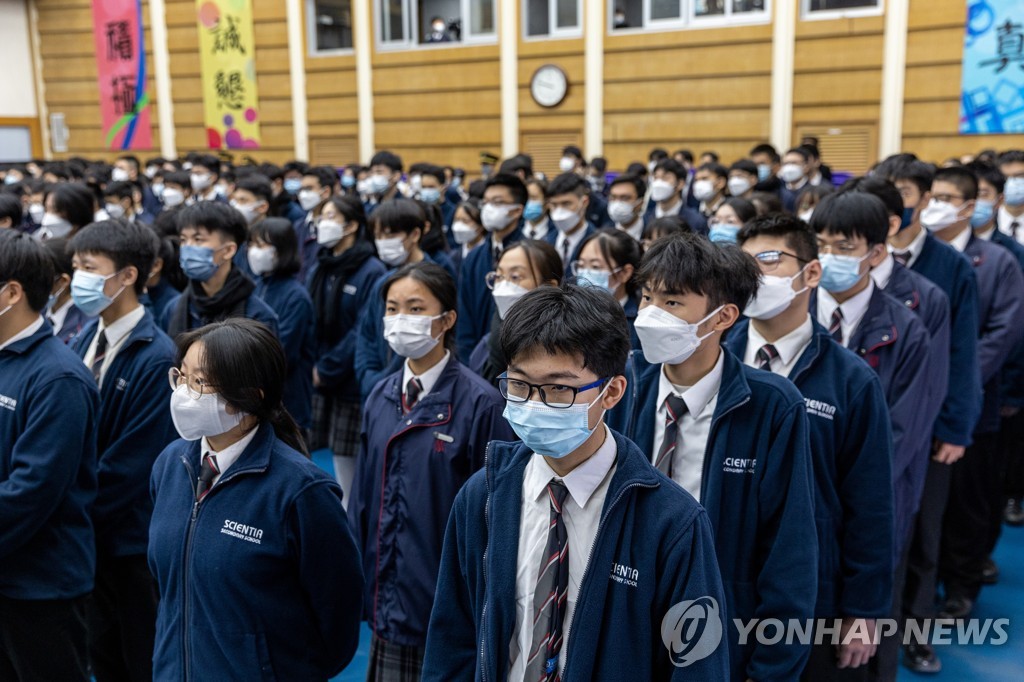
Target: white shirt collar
915, 247
697, 396
636, 231
538, 231
581, 481
789, 347
986, 235
574, 239
1004, 220
58, 315
882, 273
853, 309
229, 455
959, 242
428, 379
674, 209
24, 333
119, 330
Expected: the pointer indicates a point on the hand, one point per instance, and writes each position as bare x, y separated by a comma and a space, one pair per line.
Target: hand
316, 378
861, 645
1009, 411
947, 453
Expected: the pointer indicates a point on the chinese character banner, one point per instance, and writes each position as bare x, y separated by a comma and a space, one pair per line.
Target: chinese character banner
992, 90
121, 73
228, 61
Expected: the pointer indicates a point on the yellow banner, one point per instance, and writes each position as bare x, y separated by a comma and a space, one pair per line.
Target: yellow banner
227, 56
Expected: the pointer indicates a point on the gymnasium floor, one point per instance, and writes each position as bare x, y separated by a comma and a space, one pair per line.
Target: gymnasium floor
1004, 663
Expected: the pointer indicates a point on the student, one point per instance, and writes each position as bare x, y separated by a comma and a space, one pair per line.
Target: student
850, 439
467, 232
501, 212
1010, 217
274, 259
65, 318
568, 199
211, 233
251, 197
384, 179
118, 201
425, 431
434, 192
537, 223
523, 267
663, 227
625, 201
695, 407
609, 260
768, 163
731, 215
572, 161
69, 208
243, 519
743, 177
47, 478
794, 174
166, 280
129, 356
203, 178
314, 192
433, 242
177, 191
576, 488
10, 212
340, 284
766, 202
973, 484
666, 191
810, 196
710, 187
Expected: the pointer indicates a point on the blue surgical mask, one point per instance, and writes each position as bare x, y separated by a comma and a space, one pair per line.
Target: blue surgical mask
764, 171
723, 233
551, 431
87, 292
983, 212
907, 218
430, 195
52, 300
1013, 191
597, 278
534, 210
840, 273
293, 185
348, 182
197, 262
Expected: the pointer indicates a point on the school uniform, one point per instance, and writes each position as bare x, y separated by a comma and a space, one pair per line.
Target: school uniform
789, 196
974, 485
192, 308
48, 415
260, 579
631, 306
652, 549
296, 329
443, 258
156, 298
476, 304
419, 446
690, 215
134, 427
1009, 225
538, 231
67, 321
569, 246
597, 211
636, 230
745, 454
305, 231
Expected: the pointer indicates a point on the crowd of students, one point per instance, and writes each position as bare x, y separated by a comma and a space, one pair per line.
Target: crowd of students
754, 387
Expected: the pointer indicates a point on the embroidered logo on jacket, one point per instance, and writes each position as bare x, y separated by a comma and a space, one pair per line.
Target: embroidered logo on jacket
242, 531
624, 575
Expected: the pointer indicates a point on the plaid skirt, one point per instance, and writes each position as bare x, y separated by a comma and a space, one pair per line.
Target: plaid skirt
336, 425
394, 662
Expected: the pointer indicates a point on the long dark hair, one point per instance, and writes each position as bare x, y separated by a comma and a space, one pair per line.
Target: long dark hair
280, 234
245, 361
619, 250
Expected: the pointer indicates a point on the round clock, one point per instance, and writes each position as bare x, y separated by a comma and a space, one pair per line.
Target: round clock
549, 86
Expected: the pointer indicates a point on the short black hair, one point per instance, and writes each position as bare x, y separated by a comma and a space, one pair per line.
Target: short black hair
258, 185
989, 173
539, 182
399, 215
279, 233
811, 150
25, 261
765, 148
802, 151
435, 172
671, 166
743, 208
710, 154
580, 321
207, 161
638, 169
881, 188
568, 183
125, 242
1010, 156
214, 216
130, 158
852, 214
179, 178
573, 151
960, 177
766, 202
657, 154
918, 172
120, 190
435, 278
519, 162
599, 163
515, 186
299, 167
745, 165
716, 168
798, 237
386, 158
325, 175
689, 263
10, 207
60, 256
685, 153
352, 209
75, 201
666, 225
638, 184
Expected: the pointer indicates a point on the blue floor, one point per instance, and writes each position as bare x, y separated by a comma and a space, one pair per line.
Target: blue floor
1004, 663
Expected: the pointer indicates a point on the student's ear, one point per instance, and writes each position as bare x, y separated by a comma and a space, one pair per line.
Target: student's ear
230, 248
727, 317
265, 208
62, 281
894, 225
129, 276
449, 320
876, 255
626, 273
6, 222
812, 274
418, 232
584, 203
616, 391
12, 294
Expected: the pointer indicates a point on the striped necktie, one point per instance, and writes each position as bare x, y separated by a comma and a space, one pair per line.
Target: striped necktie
765, 355
550, 596
836, 327
675, 408
207, 473
99, 355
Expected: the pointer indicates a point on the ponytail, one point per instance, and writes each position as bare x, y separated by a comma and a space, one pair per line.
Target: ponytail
287, 430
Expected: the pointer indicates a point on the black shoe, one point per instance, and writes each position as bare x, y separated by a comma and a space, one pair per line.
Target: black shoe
921, 658
1014, 513
956, 607
989, 572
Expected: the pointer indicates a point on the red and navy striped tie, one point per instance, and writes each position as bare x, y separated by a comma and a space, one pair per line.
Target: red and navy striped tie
207, 473
550, 596
836, 326
675, 408
765, 355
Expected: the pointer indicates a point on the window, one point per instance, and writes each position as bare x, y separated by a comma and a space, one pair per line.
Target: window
405, 23
330, 25
675, 14
552, 18
828, 9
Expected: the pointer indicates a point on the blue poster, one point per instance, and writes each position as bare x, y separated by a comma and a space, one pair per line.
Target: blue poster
992, 88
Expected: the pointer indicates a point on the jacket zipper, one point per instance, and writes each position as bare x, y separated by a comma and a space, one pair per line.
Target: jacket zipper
188, 552
711, 433
487, 525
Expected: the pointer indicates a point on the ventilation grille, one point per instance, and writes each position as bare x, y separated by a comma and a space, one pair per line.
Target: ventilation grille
333, 151
546, 149
846, 149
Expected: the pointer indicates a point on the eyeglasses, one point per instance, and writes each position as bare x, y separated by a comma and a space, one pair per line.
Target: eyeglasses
576, 266
491, 279
196, 386
558, 396
769, 260
948, 198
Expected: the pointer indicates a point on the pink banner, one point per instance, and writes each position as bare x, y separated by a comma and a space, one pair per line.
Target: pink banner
121, 71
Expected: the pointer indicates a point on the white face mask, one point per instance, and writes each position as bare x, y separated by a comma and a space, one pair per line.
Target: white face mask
114, 210
496, 218
36, 212
329, 233
661, 190
173, 197
207, 416
667, 339
505, 294
200, 181
938, 215
463, 233
54, 227
564, 219
621, 212
391, 251
566, 164
774, 294
791, 172
4, 311
119, 175
248, 211
805, 215
262, 260
409, 335
703, 190
738, 186
308, 199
